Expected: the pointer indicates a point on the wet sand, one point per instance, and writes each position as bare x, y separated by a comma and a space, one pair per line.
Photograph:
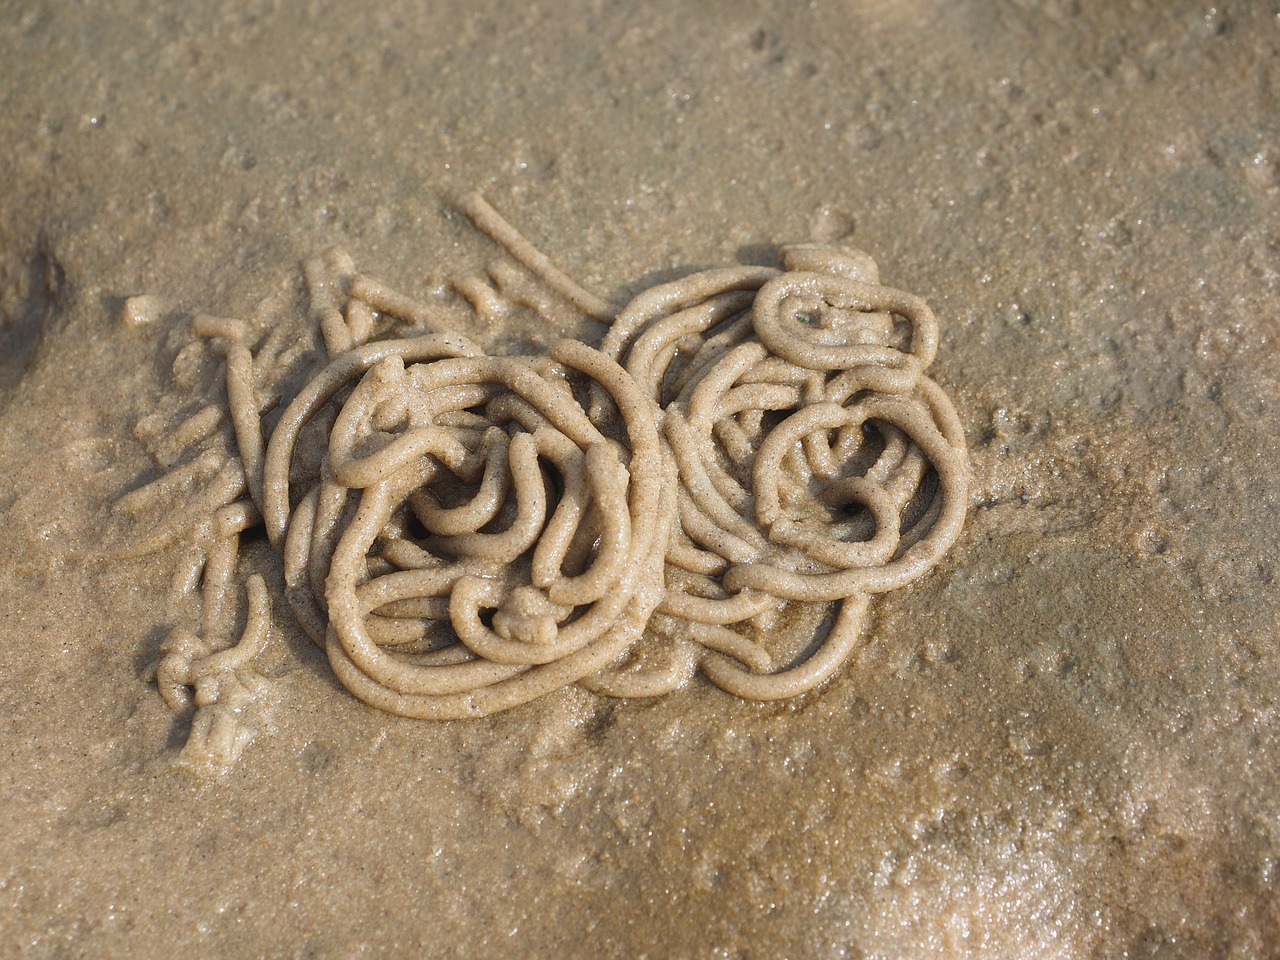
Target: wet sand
1062, 742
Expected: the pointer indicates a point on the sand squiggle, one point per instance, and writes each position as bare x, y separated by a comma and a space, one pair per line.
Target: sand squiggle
720, 486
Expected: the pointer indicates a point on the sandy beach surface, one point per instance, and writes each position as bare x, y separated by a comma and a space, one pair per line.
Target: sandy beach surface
1062, 742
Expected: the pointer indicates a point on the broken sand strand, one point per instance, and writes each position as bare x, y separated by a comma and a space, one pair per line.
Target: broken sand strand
492, 223
750, 455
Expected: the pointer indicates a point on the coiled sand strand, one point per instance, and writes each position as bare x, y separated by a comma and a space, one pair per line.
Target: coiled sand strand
749, 448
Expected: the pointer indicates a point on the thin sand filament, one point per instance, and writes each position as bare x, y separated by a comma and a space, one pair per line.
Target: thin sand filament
491, 222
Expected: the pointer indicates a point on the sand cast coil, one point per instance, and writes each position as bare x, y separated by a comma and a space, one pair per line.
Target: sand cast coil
721, 486
817, 464
497, 545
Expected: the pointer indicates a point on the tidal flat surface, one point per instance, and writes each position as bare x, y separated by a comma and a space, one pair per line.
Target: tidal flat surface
1062, 742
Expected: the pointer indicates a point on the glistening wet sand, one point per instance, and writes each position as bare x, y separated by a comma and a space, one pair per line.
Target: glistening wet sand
1060, 743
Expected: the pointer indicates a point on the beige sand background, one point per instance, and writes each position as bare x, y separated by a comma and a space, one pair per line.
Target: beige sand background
1061, 743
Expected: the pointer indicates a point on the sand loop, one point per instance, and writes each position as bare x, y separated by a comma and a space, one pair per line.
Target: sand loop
534, 538
816, 463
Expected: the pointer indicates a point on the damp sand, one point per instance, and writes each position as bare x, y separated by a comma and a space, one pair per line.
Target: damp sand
1061, 742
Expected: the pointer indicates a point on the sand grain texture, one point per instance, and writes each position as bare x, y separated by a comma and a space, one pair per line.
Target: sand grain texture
1060, 743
